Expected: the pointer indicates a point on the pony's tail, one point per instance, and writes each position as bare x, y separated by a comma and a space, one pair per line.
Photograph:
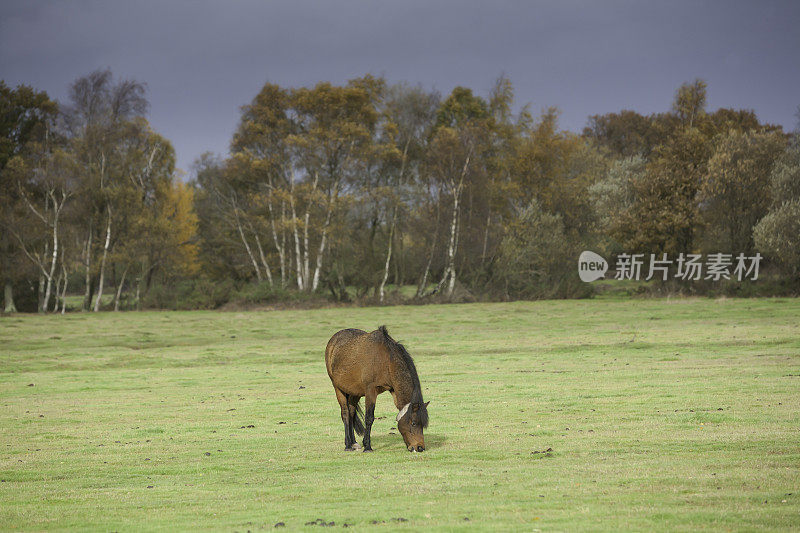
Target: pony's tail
358, 420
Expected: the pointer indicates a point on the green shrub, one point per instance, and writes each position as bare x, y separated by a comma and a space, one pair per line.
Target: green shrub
209, 294
189, 294
264, 293
777, 236
537, 259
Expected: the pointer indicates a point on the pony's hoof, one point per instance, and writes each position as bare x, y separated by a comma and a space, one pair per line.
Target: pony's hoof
349, 449
368, 449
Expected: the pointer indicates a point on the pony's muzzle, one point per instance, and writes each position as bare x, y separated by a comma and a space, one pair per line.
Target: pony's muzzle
417, 449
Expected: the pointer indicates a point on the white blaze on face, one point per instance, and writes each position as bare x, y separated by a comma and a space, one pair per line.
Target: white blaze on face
402, 412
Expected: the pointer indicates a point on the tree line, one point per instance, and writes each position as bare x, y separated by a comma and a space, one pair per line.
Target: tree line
375, 192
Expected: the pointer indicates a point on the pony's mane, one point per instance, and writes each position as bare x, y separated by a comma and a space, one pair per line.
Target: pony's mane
399, 351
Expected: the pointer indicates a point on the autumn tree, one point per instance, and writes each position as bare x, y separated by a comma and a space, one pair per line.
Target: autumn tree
221, 249
151, 227
613, 196
556, 168
623, 134
690, 101
490, 199
550, 214
98, 122
454, 160
335, 124
124, 170
294, 154
534, 256
735, 190
777, 235
409, 113
26, 117
265, 173
724, 120
45, 181
665, 217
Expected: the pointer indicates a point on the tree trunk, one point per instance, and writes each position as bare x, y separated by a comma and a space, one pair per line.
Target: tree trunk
423, 282
486, 237
57, 292
119, 289
318, 266
54, 257
40, 294
300, 281
101, 281
306, 248
399, 263
9, 306
42, 308
323, 240
64, 288
93, 288
297, 258
306, 269
278, 243
246, 244
139, 288
263, 258
284, 273
382, 289
449, 269
87, 259
455, 250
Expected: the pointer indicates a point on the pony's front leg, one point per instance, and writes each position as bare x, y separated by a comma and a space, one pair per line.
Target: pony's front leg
369, 416
349, 439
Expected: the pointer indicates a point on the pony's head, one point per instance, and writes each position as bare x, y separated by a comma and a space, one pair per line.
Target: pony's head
411, 420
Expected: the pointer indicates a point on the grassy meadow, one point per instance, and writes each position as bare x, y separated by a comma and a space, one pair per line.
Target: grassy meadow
666, 415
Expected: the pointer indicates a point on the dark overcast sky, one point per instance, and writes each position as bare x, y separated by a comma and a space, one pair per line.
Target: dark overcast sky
202, 60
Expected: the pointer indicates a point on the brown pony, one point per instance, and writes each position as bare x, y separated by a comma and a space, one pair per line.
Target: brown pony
367, 364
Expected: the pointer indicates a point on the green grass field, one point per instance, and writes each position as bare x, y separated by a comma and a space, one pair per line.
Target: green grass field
556, 416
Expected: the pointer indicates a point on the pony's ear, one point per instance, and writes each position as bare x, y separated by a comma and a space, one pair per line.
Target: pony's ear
402, 412
426, 404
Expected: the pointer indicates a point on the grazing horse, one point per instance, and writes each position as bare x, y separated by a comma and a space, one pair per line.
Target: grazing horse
367, 364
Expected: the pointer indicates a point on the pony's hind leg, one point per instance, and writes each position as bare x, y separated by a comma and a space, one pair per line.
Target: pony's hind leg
355, 423
344, 405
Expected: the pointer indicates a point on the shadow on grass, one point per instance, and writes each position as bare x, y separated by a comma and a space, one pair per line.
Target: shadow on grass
434, 441
391, 442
